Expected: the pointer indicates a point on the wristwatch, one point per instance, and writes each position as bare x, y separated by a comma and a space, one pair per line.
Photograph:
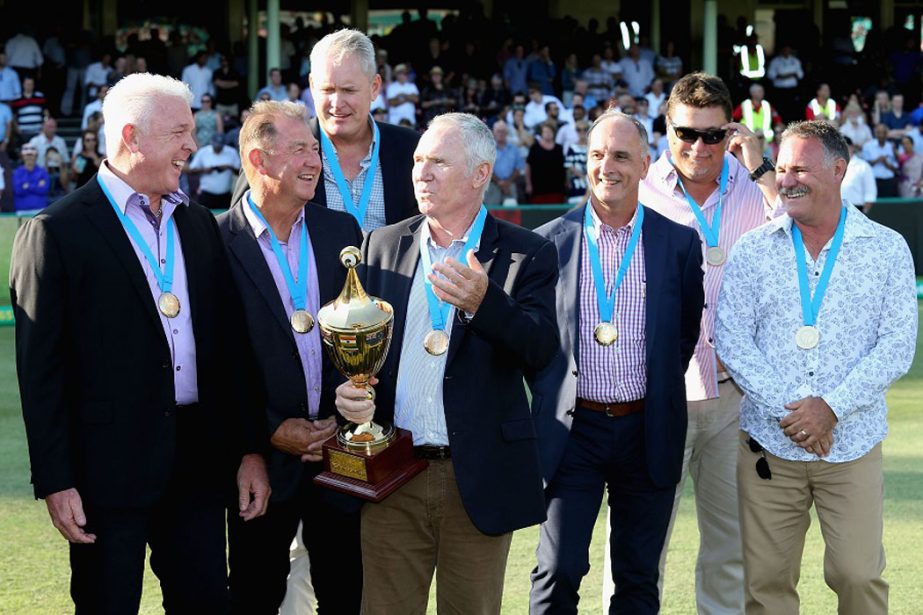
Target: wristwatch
762, 169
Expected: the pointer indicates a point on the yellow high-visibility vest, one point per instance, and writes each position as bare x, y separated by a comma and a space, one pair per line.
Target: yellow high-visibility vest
763, 117
746, 66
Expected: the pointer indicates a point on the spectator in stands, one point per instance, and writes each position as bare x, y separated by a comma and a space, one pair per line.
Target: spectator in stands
382, 66
402, 96
568, 134
599, 80
785, 73
880, 106
176, 55
436, 98
858, 187
879, 152
294, 94
911, 178
610, 64
757, 114
87, 162
642, 114
582, 96
855, 127
545, 175
507, 168
669, 65
95, 125
554, 116
24, 55
535, 112
543, 71
228, 89
496, 98
515, 71
636, 72
274, 88
94, 107
232, 138
575, 165
907, 61
30, 182
199, 79
97, 75
822, 107
896, 120
10, 85
656, 97
570, 72
46, 139
6, 130
217, 166
520, 135
208, 122
29, 110
58, 173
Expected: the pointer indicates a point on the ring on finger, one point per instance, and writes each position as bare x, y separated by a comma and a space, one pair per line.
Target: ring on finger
805, 434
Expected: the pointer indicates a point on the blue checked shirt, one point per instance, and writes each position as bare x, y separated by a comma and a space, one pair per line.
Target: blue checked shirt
375, 215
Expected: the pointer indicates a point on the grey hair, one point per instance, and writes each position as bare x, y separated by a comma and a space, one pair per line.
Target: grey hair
342, 43
616, 114
479, 141
830, 138
132, 101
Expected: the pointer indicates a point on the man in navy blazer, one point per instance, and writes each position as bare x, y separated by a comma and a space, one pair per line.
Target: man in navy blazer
344, 83
610, 409
280, 156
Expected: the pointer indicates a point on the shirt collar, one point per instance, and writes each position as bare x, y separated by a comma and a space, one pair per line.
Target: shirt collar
365, 162
857, 224
427, 236
601, 227
664, 170
257, 225
123, 194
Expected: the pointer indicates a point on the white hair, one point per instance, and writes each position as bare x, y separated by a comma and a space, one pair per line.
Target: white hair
133, 99
337, 45
479, 141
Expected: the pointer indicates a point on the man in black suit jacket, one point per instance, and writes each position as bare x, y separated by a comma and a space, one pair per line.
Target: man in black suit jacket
465, 402
134, 369
344, 83
612, 413
280, 158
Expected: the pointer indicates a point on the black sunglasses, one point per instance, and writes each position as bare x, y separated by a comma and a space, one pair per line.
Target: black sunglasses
691, 135
762, 465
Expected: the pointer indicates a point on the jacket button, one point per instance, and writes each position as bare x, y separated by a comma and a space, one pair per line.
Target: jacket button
574, 373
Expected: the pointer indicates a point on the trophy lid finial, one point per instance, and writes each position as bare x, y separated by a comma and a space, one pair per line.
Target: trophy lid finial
350, 256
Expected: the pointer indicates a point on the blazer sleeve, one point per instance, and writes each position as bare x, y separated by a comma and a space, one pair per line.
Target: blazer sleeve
524, 323
38, 289
693, 299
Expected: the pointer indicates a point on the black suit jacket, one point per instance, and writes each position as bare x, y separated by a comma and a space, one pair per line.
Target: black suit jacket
282, 378
94, 365
494, 450
673, 311
396, 160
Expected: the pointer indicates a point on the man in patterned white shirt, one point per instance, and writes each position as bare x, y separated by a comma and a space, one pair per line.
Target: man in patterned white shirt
685, 183
815, 360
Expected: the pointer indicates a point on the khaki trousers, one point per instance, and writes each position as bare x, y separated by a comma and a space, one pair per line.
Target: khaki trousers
774, 517
423, 528
710, 458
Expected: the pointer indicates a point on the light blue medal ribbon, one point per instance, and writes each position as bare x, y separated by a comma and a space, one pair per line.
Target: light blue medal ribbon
358, 210
301, 321
436, 341
714, 254
167, 303
808, 336
605, 331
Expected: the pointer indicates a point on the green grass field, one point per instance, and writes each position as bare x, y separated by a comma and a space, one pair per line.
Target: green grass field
34, 573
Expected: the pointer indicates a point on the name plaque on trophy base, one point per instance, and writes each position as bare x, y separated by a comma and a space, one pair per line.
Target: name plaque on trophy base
370, 476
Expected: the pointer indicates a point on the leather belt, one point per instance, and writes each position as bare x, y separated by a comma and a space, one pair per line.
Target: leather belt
428, 451
613, 408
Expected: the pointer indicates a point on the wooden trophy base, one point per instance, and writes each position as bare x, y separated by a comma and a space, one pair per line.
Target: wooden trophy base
370, 477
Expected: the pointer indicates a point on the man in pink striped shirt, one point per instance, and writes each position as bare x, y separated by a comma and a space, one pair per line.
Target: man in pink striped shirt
610, 410
715, 180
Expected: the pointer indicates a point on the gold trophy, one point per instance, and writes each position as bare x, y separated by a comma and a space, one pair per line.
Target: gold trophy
369, 460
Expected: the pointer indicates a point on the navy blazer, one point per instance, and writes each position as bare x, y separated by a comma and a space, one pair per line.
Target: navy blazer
490, 429
396, 160
673, 311
95, 370
284, 391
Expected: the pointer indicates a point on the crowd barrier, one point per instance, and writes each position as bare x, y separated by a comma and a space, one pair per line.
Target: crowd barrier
903, 215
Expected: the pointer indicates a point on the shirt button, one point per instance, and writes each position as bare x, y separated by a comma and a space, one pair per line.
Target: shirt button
810, 373
175, 331
179, 367
429, 399
162, 261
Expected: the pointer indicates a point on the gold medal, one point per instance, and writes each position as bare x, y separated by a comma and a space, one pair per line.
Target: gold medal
168, 305
436, 342
605, 334
807, 337
302, 321
715, 256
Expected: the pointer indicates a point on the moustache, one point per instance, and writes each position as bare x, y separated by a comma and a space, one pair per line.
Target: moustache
794, 192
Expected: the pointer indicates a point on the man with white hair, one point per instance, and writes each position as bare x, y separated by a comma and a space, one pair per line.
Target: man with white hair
134, 368
365, 164
284, 255
475, 303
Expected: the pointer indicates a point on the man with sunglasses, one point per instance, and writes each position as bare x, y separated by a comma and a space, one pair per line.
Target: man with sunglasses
715, 180
817, 317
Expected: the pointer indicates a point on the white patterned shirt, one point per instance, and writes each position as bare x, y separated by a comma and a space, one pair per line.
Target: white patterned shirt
867, 323
375, 214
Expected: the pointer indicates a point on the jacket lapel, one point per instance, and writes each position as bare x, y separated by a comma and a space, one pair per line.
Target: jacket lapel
104, 218
569, 244
247, 251
654, 241
320, 193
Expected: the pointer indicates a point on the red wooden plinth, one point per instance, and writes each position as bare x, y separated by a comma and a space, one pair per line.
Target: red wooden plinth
370, 477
